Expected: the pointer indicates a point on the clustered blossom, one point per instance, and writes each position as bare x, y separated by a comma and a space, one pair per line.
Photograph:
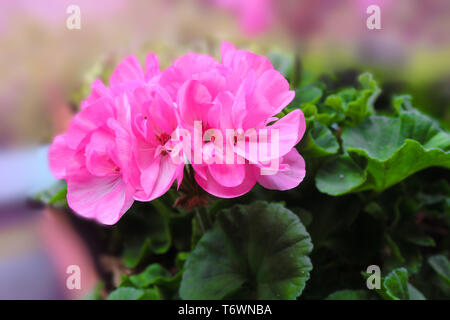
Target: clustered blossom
131, 140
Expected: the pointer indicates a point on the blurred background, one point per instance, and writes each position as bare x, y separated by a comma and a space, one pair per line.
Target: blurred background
46, 70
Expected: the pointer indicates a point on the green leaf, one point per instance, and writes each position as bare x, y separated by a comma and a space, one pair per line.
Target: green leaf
394, 149
415, 294
350, 295
394, 249
327, 116
181, 259
441, 265
256, 251
151, 275
335, 102
402, 103
134, 253
319, 142
151, 294
146, 231
420, 239
356, 105
309, 110
126, 293
396, 284
339, 175
360, 108
55, 195
309, 94
129, 293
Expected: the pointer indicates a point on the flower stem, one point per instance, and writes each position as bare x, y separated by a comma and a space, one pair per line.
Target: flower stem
203, 219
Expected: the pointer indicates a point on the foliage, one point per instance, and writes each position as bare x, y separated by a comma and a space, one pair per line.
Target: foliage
377, 192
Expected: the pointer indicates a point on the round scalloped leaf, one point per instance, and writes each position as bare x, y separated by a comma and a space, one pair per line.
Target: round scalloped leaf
319, 142
256, 251
339, 175
394, 149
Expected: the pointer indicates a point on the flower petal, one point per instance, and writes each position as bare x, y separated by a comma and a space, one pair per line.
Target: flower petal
105, 199
213, 187
129, 69
59, 155
289, 176
228, 175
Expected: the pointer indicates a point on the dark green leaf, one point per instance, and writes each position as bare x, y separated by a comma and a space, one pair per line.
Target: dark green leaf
257, 251
350, 295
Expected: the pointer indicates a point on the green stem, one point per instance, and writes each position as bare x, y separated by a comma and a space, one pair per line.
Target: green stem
203, 218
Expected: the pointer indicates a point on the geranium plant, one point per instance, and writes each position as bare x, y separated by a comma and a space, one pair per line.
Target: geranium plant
217, 178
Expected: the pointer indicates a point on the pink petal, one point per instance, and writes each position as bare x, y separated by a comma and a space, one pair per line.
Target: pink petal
228, 175
275, 88
149, 175
98, 90
212, 186
59, 155
289, 177
87, 120
243, 61
194, 102
105, 199
183, 70
127, 70
151, 66
290, 130
168, 172
99, 164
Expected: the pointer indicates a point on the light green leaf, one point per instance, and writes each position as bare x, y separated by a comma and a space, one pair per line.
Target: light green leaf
55, 195
441, 265
151, 294
396, 284
126, 293
356, 105
256, 251
129, 293
319, 142
402, 103
151, 275
415, 294
394, 149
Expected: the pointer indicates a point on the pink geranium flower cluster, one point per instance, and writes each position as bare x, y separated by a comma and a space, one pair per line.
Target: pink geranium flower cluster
131, 140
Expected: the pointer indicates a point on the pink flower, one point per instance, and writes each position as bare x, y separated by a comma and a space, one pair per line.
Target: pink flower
244, 92
124, 144
113, 152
